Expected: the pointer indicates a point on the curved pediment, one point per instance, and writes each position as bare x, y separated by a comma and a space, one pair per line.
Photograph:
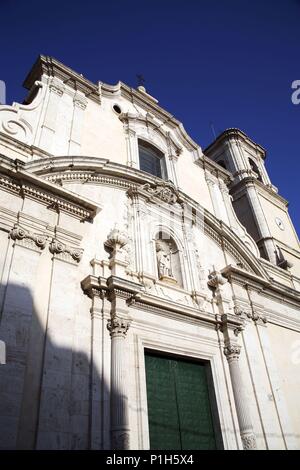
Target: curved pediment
139, 122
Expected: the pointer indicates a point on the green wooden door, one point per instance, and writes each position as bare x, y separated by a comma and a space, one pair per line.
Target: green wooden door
179, 409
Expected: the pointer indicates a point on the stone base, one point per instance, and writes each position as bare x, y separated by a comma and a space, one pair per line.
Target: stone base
168, 279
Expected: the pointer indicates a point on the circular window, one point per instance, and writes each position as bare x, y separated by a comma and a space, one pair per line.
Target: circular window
117, 109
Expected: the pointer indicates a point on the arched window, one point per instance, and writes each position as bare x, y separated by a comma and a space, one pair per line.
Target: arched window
152, 160
168, 260
254, 168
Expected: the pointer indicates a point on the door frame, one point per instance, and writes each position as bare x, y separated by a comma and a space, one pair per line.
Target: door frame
220, 381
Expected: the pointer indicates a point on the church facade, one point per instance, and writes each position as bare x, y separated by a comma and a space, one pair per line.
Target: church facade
150, 290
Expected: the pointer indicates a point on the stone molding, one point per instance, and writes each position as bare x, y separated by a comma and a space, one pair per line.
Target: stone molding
94, 286
89, 177
56, 86
52, 200
80, 100
135, 297
129, 120
51, 67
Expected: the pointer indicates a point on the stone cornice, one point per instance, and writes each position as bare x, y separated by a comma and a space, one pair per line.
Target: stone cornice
137, 298
275, 270
269, 287
23, 148
51, 67
214, 168
149, 104
15, 178
237, 134
93, 285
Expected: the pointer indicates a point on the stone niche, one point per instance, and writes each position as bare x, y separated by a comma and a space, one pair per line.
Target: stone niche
168, 260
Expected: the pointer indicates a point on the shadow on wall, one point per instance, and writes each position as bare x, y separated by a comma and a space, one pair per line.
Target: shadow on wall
46, 384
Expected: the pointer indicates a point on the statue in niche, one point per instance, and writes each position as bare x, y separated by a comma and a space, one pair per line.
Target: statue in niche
166, 253
163, 260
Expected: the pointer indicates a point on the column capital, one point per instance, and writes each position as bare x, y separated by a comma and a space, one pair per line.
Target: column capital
118, 327
28, 238
232, 352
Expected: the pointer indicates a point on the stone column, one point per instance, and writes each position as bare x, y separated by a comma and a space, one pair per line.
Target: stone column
231, 328
232, 353
119, 400
120, 292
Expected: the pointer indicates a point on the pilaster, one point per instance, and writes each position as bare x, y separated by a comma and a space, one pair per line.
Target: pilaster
79, 106
56, 91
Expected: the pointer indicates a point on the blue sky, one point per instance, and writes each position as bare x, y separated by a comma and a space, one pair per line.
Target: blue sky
230, 62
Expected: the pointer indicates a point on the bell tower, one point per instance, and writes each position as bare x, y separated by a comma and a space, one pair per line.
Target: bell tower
259, 207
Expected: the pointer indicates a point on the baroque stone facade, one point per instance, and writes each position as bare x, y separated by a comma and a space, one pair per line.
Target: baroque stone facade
119, 235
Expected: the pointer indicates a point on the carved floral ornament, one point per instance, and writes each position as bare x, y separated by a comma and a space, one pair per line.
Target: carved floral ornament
252, 314
249, 442
232, 351
164, 191
118, 326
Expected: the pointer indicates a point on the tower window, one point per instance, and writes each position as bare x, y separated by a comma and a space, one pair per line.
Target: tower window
222, 164
254, 168
152, 160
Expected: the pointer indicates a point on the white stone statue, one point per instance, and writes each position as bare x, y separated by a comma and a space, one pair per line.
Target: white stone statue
163, 260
